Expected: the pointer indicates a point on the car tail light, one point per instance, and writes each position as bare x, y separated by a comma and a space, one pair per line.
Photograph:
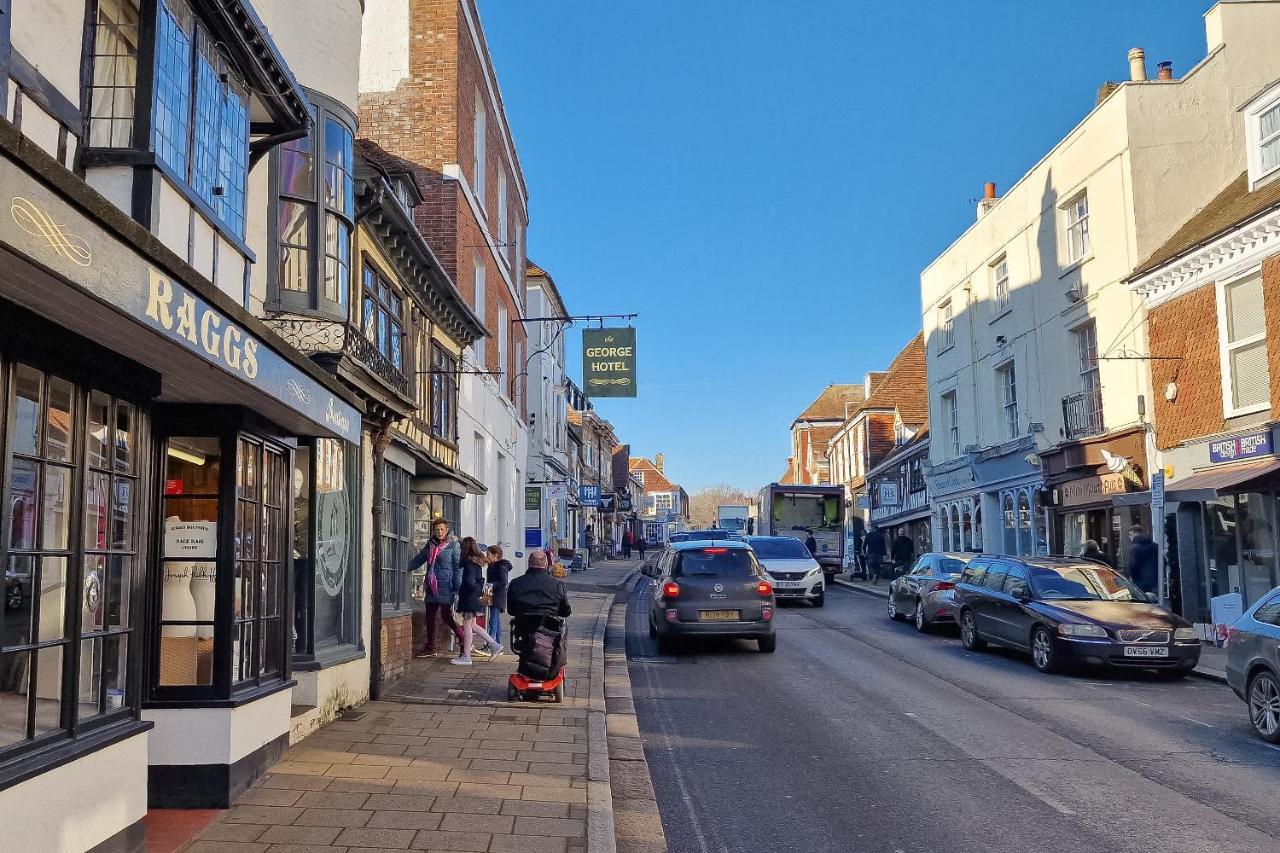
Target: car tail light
764, 588
945, 585
671, 589
715, 550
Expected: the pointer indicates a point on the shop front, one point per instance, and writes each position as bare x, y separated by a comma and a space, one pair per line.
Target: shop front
900, 494
150, 431
956, 508
1098, 490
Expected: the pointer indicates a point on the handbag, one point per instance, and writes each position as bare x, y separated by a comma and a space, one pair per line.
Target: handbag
433, 583
486, 595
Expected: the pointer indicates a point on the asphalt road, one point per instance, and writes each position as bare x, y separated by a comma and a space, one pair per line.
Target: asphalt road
860, 734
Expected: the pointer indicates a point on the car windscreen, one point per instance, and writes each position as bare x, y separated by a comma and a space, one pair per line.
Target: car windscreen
1083, 582
780, 549
714, 562
950, 566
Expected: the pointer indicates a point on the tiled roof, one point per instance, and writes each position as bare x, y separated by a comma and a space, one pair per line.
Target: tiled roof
654, 480
832, 403
1233, 206
903, 386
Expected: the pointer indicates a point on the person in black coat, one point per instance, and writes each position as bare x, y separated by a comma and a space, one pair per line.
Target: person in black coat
536, 592
1144, 560
474, 563
875, 548
497, 574
903, 551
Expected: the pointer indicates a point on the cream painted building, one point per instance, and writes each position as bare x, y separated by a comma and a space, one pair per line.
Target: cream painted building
1037, 387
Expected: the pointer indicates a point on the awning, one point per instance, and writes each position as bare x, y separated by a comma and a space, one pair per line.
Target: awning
1207, 485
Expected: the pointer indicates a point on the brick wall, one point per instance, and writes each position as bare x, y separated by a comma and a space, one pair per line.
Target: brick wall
1271, 305
1186, 327
397, 647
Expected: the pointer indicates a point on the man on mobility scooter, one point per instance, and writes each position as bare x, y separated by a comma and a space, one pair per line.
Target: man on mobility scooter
538, 604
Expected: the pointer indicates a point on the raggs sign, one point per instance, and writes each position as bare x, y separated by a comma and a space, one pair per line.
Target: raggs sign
609, 362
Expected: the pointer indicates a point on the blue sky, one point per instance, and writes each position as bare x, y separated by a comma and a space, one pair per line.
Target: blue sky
763, 186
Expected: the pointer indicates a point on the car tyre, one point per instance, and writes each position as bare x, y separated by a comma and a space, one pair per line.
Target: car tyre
1172, 674
829, 576
1043, 655
892, 609
820, 600
1263, 699
653, 629
512, 693
666, 645
558, 695
768, 644
969, 632
921, 621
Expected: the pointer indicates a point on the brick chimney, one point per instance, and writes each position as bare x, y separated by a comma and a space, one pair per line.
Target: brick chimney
658, 462
989, 198
1164, 71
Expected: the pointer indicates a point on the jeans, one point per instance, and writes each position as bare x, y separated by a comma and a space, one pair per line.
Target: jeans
875, 566
445, 614
494, 624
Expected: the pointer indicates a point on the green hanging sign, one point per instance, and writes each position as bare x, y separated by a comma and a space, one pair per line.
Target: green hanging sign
609, 362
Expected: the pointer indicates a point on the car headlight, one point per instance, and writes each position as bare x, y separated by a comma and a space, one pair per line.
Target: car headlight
1072, 630
1185, 634
815, 570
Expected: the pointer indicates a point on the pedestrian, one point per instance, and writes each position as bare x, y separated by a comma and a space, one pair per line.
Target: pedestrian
641, 545
811, 544
627, 539
903, 550
859, 568
536, 592
1091, 551
875, 548
442, 557
497, 574
474, 563
1144, 560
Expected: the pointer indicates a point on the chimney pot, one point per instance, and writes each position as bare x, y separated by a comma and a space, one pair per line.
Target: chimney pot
989, 190
1164, 70
1137, 64
658, 462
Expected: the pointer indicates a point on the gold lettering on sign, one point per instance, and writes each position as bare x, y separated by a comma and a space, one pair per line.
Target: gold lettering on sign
37, 223
225, 342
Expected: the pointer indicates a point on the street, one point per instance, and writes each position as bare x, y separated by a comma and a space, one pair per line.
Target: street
860, 734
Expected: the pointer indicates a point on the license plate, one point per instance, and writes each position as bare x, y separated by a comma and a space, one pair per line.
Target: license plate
789, 584
1145, 652
718, 615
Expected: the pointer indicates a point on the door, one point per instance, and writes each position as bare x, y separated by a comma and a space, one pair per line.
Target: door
905, 588
986, 602
1013, 623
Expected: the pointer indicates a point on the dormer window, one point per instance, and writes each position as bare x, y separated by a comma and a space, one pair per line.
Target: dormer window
1262, 128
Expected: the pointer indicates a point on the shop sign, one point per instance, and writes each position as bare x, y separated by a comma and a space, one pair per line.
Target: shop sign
73, 246
1092, 489
606, 502
888, 493
1241, 447
609, 362
589, 495
951, 481
624, 503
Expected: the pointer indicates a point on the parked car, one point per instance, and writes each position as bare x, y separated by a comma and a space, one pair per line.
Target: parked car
926, 593
793, 571
1065, 610
1253, 664
711, 589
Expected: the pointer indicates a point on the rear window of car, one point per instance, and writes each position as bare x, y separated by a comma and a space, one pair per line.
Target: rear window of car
950, 566
709, 534
974, 573
722, 562
780, 549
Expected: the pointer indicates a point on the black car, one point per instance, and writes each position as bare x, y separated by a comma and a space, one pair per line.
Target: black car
1065, 610
711, 588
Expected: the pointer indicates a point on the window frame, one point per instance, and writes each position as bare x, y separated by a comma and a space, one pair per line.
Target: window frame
1000, 284
444, 390
946, 325
1253, 114
320, 211
1009, 398
1075, 229
1086, 340
383, 310
951, 418
1227, 347
396, 533
479, 152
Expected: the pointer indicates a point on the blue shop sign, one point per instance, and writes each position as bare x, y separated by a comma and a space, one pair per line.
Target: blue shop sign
589, 495
1241, 447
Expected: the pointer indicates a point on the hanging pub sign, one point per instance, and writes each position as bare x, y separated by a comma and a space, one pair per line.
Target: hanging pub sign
609, 362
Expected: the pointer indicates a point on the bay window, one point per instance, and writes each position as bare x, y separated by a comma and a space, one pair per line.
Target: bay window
314, 214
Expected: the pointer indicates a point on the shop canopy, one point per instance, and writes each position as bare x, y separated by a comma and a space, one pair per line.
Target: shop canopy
1207, 485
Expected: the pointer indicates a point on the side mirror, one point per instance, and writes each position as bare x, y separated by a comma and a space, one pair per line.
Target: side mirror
1153, 598
1020, 592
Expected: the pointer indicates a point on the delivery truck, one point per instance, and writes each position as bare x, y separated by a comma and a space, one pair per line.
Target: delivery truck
733, 517
803, 511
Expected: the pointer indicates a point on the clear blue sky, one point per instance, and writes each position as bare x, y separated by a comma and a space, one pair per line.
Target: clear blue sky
764, 186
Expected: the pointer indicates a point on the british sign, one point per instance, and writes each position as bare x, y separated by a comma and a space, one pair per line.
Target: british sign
609, 362
1241, 447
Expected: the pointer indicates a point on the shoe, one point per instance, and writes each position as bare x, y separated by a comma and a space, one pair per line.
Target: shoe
481, 652
461, 661
496, 650
421, 655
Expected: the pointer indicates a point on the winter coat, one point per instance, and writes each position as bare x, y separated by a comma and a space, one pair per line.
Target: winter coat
537, 593
472, 586
1095, 555
874, 544
447, 569
1144, 563
497, 574
904, 551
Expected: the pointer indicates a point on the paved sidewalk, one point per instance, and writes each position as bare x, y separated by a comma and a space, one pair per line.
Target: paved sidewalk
444, 762
1213, 660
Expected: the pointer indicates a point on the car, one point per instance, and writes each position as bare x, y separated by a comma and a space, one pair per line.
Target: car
711, 588
925, 594
711, 534
1065, 610
1253, 664
793, 571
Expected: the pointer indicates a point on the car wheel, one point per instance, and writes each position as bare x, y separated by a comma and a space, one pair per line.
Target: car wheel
1042, 653
653, 629
1173, 674
922, 622
1264, 706
829, 576
13, 597
893, 610
666, 645
769, 643
820, 600
558, 695
969, 632
512, 693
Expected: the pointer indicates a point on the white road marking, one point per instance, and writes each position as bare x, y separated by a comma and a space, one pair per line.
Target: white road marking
1136, 702
1197, 722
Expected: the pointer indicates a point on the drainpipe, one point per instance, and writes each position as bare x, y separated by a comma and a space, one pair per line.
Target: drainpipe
380, 437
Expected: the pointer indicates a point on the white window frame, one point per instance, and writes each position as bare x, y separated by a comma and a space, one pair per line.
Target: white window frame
951, 418
1079, 248
946, 326
1000, 283
1253, 114
479, 136
503, 353
1009, 398
478, 275
504, 250
1226, 347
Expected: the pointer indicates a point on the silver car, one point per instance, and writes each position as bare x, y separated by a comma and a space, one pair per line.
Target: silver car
1253, 664
925, 594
